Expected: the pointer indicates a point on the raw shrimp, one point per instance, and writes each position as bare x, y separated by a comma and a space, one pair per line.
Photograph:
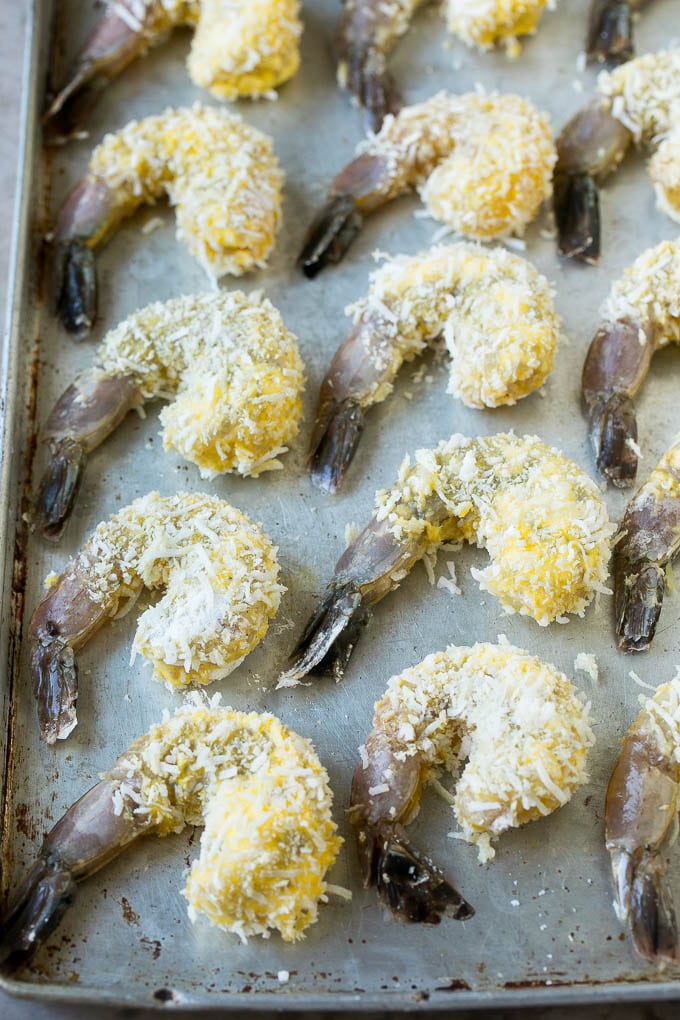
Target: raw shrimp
648, 539
220, 575
639, 103
610, 29
641, 822
541, 519
369, 29
240, 48
481, 163
257, 788
233, 367
498, 321
641, 314
526, 732
220, 173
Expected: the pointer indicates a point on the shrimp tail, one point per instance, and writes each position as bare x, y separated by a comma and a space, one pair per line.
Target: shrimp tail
330, 235
408, 882
55, 680
339, 427
613, 429
653, 922
577, 214
373, 87
330, 636
639, 597
77, 287
610, 31
59, 487
43, 899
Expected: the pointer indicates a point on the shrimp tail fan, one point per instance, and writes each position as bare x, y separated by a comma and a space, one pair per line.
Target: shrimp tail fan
408, 882
329, 237
653, 921
43, 899
330, 636
577, 215
339, 428
610, 31
59, 488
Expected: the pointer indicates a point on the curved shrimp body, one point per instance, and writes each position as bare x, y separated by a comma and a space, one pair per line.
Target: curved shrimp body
257, 788
221, 175
648, 539
541, 519
641, 823
369, 29
526, 734
496, 315
244, 48
639, 103
235, 373
481, 164
220, 575
641, 314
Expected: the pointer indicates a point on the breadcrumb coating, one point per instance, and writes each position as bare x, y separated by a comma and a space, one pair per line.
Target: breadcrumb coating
481, 163
649, 293
483, 23
495, 311
645, 94
664, 170
219, 173
231, 365
263, 798
538, 515
241, 48
219, 571
519, 724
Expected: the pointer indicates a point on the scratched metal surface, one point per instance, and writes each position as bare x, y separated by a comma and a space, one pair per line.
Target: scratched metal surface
544, 931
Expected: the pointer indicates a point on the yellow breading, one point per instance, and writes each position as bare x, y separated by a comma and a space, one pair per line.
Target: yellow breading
483, 23
645, 94
221, 175
241, 48
263, 796
481, 164
234, 368
219, 571
522, 726
494, 310
245, 47
538, 515
649, 293
664, 170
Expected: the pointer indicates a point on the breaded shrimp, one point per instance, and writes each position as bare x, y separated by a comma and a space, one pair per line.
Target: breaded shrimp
241, 48
525, 731
498, 321
228, 361
261, 795
639, 103
220, 173
539, 516
220, 575
369, 29
482, 164
641, 315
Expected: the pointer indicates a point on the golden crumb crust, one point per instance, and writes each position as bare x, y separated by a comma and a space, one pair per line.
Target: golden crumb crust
220, 174
263, 798
519, 724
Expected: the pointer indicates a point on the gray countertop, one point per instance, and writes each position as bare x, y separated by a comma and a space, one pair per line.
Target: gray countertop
12, 23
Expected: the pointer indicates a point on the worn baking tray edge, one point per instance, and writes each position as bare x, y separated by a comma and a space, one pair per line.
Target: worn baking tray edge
17, 394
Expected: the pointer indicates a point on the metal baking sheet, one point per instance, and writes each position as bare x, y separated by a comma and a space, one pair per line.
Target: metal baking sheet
544, 930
